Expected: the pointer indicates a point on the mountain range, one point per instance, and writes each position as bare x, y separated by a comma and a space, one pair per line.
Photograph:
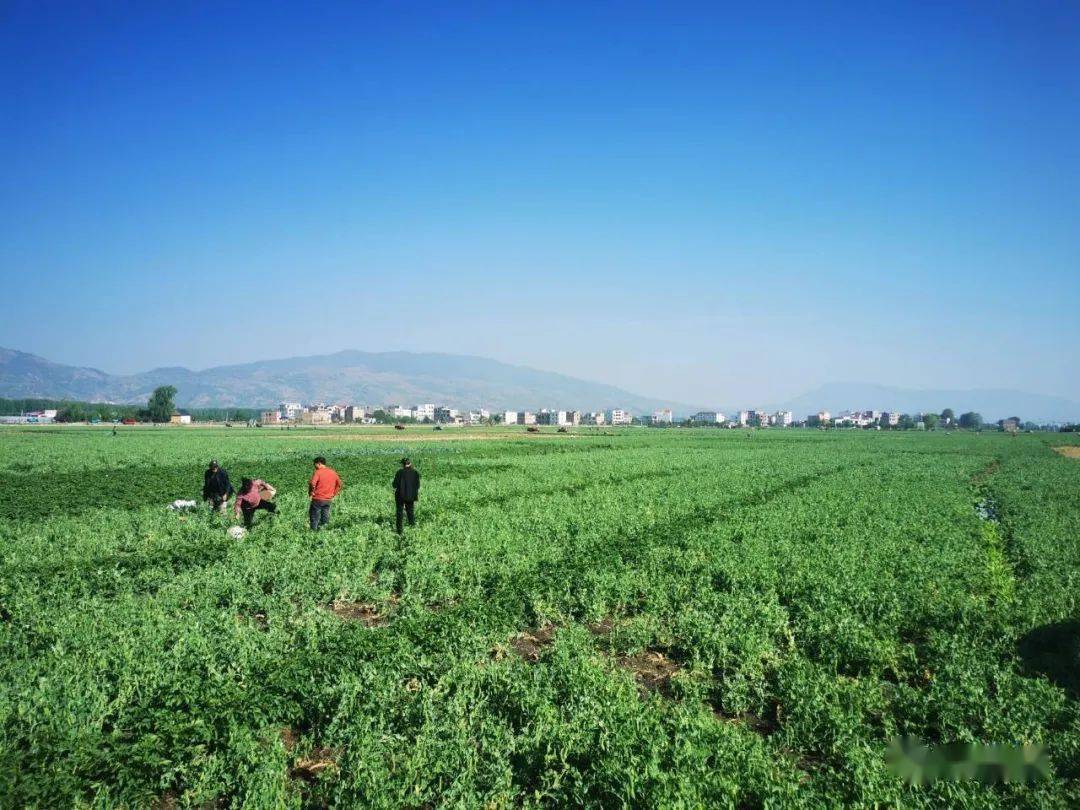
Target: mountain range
366, 378
378, 378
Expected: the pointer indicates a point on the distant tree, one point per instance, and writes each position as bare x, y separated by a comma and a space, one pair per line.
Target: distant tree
161, 405
930, 420
72, 412
971, 420
907, 422
947, 416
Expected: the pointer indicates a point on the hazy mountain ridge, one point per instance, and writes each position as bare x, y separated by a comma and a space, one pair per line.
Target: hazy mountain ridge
348, 376
379, 378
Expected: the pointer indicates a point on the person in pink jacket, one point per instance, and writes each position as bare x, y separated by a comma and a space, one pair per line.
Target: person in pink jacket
253, 495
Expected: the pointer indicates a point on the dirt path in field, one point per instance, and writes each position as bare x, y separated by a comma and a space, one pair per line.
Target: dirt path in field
1069, 450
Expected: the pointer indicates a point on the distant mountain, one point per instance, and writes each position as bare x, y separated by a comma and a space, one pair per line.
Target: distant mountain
461, 381
992, 403
349, 376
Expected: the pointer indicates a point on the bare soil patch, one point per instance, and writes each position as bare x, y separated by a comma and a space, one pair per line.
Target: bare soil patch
604, 627
318, 760
653, 670
307, 768
531, 643
288, 738
1069, 451
369, 614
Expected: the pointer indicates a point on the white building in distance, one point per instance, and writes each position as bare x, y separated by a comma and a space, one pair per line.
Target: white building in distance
664, 416
783, 419
708, 418
617, 416
478, 416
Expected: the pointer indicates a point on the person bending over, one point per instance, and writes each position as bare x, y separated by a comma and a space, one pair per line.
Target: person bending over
254, 495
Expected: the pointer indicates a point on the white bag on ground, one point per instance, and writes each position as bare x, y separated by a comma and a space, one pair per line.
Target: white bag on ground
182, 506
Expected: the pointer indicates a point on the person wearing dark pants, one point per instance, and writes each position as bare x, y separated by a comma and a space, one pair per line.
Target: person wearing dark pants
405, 508
253, 496
217, 489
323, 487
319, 514
406, 492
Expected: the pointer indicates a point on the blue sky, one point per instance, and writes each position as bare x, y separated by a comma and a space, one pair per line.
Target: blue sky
687, 200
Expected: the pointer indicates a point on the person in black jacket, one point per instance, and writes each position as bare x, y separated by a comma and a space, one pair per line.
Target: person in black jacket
406, 491
217, 488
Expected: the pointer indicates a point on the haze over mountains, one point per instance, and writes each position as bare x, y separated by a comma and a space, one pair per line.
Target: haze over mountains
461, 381
349, 376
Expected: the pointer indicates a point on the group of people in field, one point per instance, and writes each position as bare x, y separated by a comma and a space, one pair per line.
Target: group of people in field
324, 485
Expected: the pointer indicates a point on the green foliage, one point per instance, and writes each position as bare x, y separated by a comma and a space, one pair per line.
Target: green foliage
930, 420
818, 593
107, 412
971, 420
161, 405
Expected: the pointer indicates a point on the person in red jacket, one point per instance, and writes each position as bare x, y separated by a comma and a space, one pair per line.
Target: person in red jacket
323, 486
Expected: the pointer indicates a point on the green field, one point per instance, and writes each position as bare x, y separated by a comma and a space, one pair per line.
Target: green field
634, 617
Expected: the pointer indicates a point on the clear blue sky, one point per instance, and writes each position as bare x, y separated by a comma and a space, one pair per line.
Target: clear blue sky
689, 201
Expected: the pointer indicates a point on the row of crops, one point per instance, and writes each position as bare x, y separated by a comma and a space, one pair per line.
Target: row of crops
644, 618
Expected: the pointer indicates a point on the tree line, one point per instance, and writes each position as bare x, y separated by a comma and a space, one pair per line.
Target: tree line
158, 409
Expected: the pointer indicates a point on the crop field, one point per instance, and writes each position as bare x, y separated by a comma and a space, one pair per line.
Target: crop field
609, 618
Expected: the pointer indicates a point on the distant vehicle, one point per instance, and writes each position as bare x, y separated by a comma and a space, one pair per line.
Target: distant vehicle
127, 420
438, 427
399, 427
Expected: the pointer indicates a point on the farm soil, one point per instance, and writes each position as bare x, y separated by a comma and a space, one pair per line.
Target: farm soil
318, 760
368, 614
652, 669
531, 643
604, 627
1070, 451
